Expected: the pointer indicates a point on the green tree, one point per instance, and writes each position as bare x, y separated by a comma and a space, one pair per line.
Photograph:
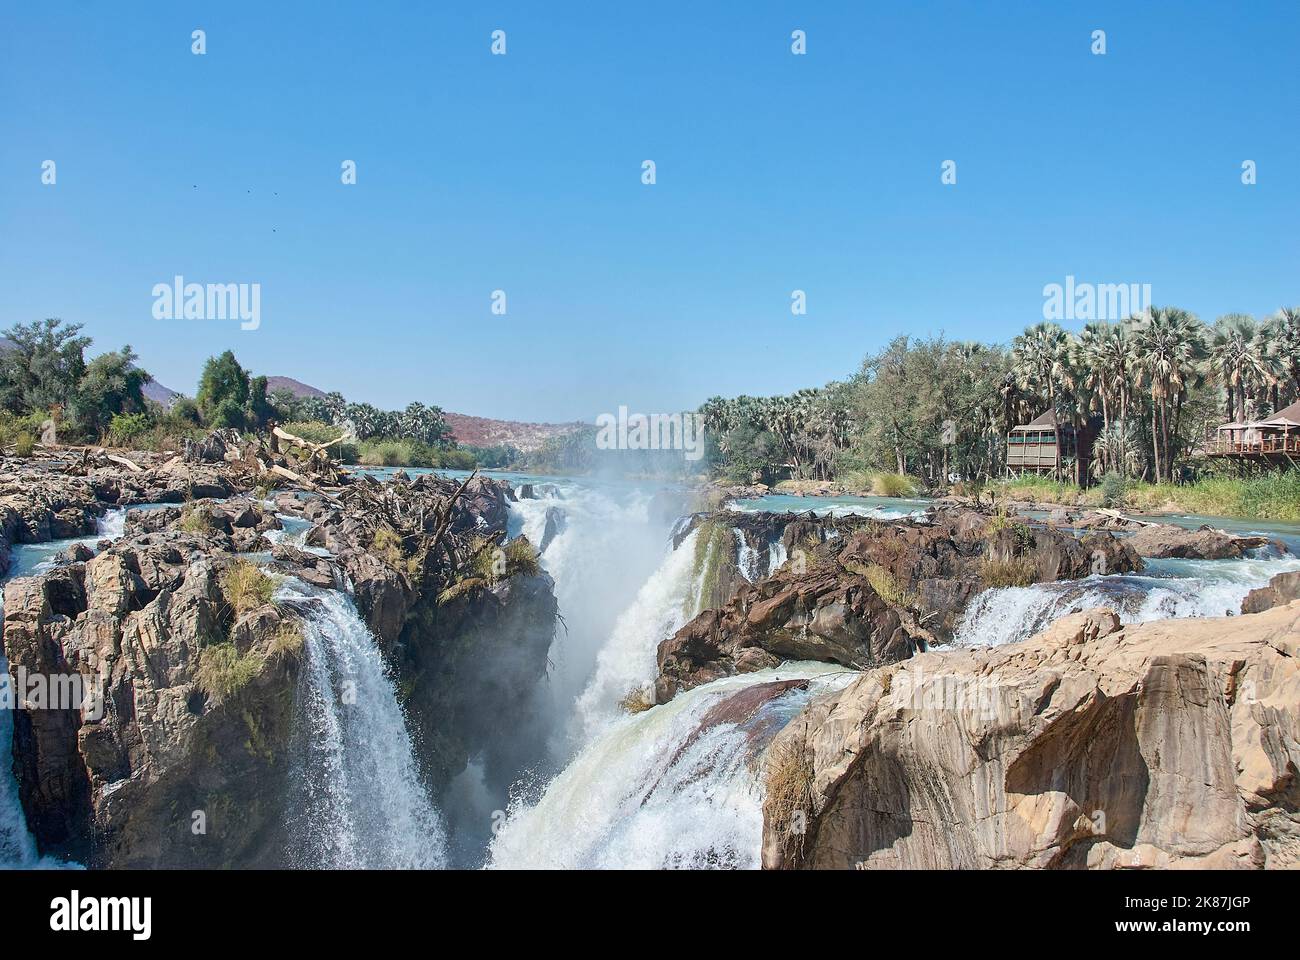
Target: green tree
223, 396
112, 385
43, 366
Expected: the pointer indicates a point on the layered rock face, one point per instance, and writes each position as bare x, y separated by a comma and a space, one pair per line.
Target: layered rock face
183, 756
874, 592
1168, 744
119, 781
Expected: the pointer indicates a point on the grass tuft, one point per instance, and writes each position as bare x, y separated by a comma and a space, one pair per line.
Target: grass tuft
245, 587
224, 671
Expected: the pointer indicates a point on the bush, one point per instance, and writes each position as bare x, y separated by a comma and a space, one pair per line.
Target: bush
1112, 489
521, 559
127, 427
245, 587
1016, 572
223, 671
24, 444
893, 485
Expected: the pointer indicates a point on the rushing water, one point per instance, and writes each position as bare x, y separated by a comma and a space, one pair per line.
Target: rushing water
360, 801
655, 789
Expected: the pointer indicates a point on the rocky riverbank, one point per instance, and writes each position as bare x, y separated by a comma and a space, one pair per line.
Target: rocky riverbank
193, 663
862, 592
1168, 744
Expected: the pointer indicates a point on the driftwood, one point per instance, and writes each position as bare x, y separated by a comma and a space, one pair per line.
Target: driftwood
1116, 515
124, 462
282, 434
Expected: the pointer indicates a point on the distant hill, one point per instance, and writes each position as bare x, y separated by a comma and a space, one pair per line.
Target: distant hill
296, 387
155, 391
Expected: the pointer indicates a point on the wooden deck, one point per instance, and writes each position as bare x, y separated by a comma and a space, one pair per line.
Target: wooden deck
1267, 448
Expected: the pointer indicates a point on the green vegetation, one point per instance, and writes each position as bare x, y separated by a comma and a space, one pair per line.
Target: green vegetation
884, 583
24, 445
286, 642
522, 559
713, 541
223, 671
1269, 496
939, 411
245, 587
125, 428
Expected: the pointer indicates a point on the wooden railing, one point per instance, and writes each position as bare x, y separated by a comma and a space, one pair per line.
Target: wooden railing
1280, 446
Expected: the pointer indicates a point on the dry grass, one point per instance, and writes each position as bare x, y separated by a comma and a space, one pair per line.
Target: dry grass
224, 671
789, 781
198, 520
883, 582
245, 587
286, 642
521, 559
1016, 572
637, 700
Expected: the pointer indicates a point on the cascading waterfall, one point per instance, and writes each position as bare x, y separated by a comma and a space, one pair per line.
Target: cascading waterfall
746, 557
607, 550
359, 802
656, 789
666, 601
1169, 589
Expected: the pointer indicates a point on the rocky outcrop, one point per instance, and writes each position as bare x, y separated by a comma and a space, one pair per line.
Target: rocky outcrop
874, 592
159, 762
1205, 543
1169, 744
1281, 590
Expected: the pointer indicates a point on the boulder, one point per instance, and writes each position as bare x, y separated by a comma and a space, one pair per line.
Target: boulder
1167, 744
1169, 541
1282, 589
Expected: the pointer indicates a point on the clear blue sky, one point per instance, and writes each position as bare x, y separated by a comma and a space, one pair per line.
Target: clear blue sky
522, 172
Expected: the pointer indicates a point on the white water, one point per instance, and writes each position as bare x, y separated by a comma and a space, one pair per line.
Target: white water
746, 557
607, 551
627, 661
1169, 589
360, 799
643, 795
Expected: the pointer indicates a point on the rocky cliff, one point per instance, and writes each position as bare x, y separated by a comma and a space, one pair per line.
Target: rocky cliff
1170, 744
865, 592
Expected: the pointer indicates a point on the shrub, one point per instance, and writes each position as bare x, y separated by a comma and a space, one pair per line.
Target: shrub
387, 545
223, 671
127, 427
892, 485
888, 587
1016, 572
245, 587
521, 559
287, 641
24, 444
1112, 489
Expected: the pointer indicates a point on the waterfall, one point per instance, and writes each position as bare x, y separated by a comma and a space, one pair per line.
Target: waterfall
358, 800
746, 557
627, 661
1169, 589
607, 550
660, 788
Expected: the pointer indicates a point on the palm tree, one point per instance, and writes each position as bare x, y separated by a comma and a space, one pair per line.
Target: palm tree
1280, 347
1169, 348
1237, 361
1039, 356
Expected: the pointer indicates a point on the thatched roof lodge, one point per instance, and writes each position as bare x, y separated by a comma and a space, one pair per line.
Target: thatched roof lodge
1275, 439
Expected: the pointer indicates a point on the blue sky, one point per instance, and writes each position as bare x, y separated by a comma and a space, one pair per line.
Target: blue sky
523, 173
